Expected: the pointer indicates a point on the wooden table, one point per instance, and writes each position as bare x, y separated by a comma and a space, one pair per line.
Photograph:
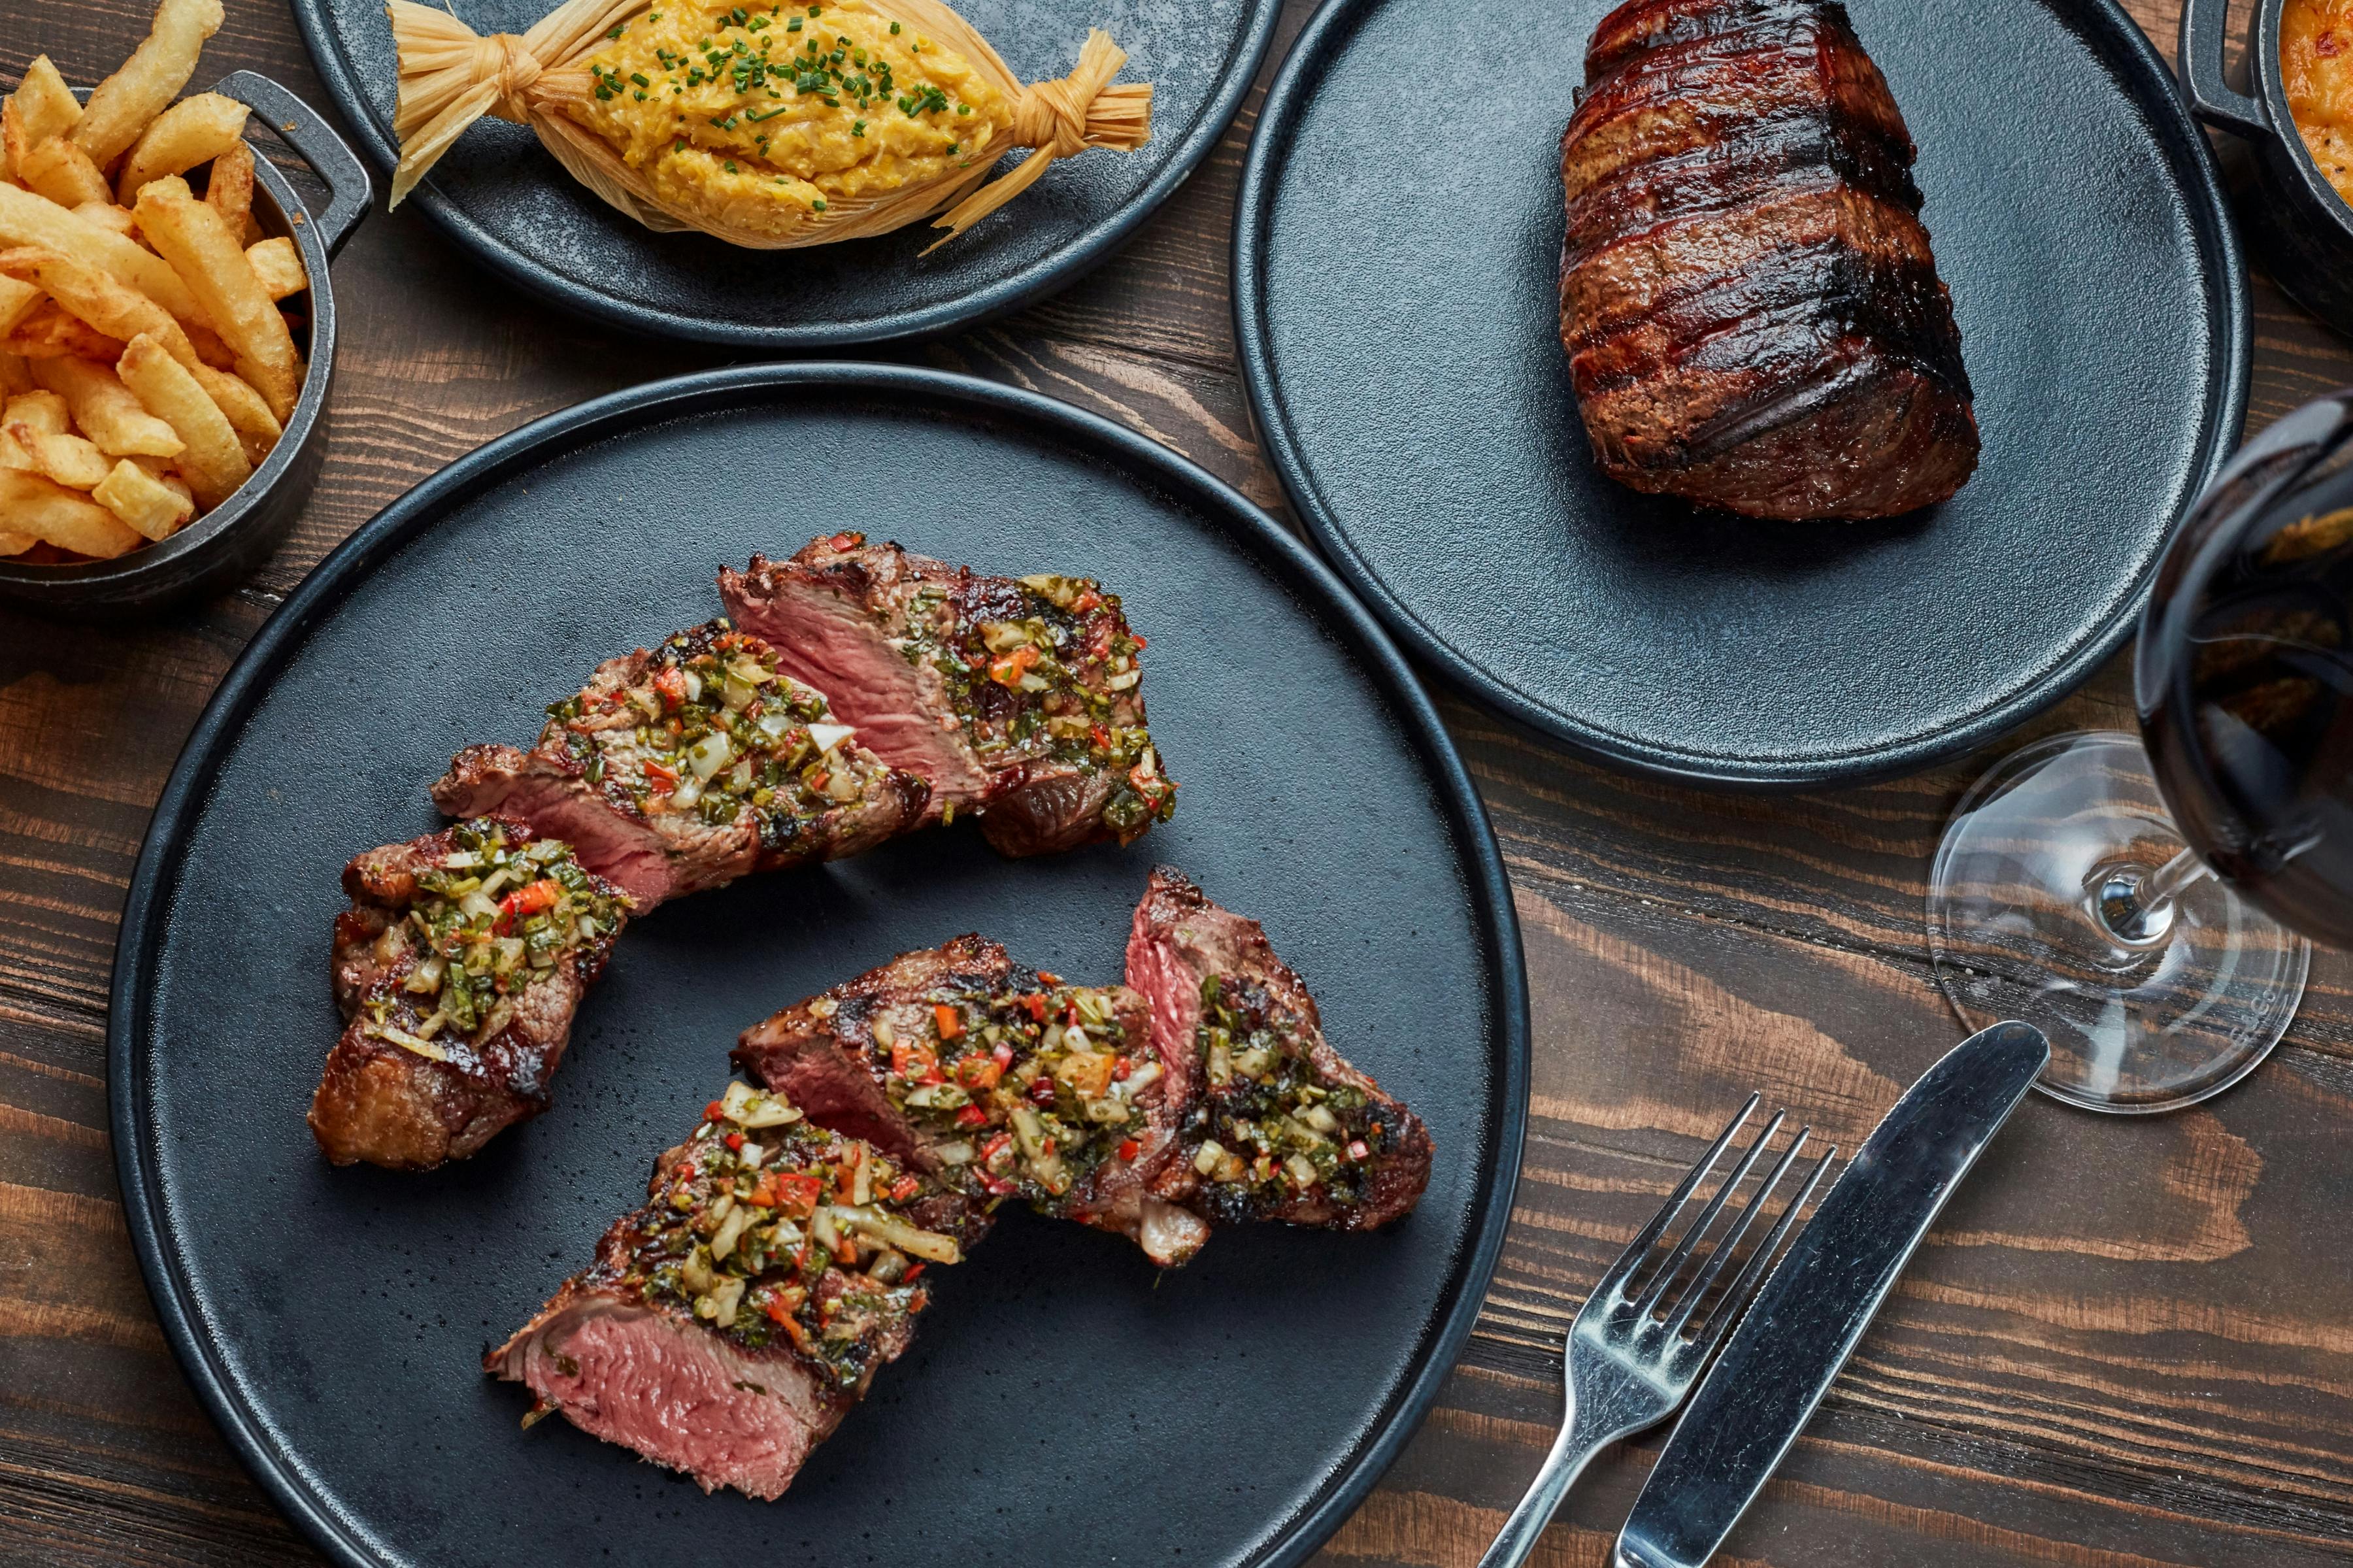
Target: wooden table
2128, 1344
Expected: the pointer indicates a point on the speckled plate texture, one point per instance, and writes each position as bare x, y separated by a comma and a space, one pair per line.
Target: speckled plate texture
1397, 291
1063, 1405
500, 195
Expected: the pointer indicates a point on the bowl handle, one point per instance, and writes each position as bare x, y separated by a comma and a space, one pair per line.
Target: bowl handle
2204, 25
349, 190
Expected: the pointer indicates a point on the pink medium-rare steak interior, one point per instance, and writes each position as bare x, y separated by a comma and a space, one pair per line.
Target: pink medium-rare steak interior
677, 1395
1020, 700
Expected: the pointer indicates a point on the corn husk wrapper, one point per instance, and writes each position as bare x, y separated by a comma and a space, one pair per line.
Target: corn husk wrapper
450, 77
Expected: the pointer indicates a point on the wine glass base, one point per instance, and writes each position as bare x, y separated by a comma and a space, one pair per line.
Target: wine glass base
2153, 1017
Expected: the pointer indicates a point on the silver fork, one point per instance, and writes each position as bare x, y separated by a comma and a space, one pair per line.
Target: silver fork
1630, 1358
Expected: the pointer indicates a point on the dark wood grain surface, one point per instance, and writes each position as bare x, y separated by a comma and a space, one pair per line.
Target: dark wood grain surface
2128, 1344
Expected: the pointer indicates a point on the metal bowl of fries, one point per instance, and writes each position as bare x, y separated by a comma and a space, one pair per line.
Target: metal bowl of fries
167, 327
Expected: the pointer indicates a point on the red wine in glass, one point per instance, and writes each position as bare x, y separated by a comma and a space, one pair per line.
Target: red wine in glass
2149, 910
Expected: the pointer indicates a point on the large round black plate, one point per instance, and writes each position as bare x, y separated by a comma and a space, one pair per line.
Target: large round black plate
1396, 282
500, 195
1060, 1404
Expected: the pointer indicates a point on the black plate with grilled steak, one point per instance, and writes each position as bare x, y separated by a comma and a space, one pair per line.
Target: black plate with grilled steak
1397, 285
499, 194
1060, 1405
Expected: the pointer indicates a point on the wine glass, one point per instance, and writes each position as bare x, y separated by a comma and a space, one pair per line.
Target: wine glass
2152, 920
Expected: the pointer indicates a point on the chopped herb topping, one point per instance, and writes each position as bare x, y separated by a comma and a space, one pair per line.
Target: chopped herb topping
496, 913
776, 1233
1268, 1130
708, 726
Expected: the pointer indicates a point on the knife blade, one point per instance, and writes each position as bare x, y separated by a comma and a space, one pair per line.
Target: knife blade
1812, 1312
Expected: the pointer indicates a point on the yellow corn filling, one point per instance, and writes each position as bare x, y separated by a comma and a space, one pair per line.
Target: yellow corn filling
761, 116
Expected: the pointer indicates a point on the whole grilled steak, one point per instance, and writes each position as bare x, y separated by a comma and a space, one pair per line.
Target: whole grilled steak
1279, 1125
689, 766
458, 968
1000, 1082
1753, 317
1017, 700
726, 1327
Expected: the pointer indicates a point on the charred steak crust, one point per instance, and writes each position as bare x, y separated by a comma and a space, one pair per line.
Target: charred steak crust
458, 969
1279, 1125
1751, 309
687, 766
1017, 700
726, 1327
998, 1080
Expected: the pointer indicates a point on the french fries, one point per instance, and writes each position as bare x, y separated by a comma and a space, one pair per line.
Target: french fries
108, 411
230, 190
242, 406
45, 511
28, 217
44, 103
279, 264
192, 132
63, 173
41, 411
67, 460
122, 106
146, 369
48, 332
212, 458
150, 504
207, 253
93, 297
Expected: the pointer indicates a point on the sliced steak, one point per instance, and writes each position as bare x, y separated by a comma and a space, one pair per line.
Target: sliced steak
1017, 700
1280, 1126
1750, 302
727, 1326
688, 766
458, 968
1000, 1082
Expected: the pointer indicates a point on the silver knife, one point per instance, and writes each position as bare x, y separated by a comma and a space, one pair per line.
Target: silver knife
1811, 1313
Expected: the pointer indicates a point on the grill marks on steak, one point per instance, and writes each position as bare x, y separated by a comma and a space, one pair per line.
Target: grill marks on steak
996, 1079
726, 1327
687, 766
1279, 1125
1017, 700
1748, 299
437, 1055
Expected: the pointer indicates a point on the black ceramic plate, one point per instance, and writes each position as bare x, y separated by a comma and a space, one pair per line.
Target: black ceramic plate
504, 198
1396, 282
1060, 1404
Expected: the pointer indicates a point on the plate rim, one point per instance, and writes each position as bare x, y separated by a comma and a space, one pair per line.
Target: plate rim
148, 904
2150, 84
1054, 271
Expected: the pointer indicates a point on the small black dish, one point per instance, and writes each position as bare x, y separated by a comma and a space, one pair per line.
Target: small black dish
1403, 363
228, 541
499, 194
2301, 226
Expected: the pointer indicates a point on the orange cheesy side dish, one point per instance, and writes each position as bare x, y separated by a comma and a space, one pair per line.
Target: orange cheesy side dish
2317, 64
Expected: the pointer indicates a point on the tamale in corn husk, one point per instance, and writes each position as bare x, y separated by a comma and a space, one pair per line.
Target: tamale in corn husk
769, 127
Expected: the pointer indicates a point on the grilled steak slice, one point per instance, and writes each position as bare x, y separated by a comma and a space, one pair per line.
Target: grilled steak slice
1280, 1126
1000, 1082
1017, 700
726, 1327
458, 968
1751, 309
689, 766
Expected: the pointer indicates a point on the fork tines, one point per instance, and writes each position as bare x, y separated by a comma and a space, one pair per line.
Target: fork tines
1667, 1296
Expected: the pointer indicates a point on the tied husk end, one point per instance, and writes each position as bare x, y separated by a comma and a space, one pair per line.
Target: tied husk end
451, 77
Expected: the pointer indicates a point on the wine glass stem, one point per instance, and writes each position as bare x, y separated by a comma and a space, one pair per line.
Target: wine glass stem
2136, 905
